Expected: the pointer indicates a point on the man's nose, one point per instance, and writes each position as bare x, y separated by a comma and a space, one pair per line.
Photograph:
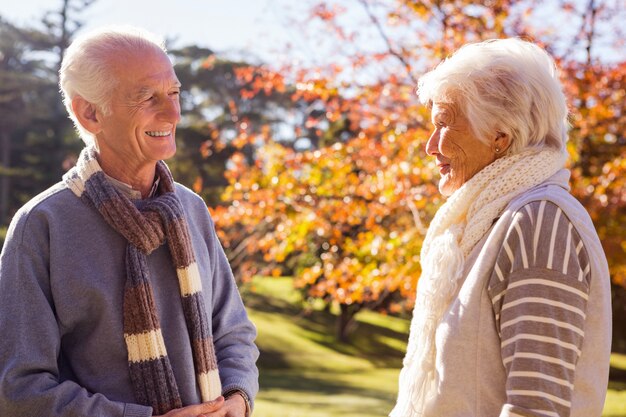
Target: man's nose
432, 146
170, 110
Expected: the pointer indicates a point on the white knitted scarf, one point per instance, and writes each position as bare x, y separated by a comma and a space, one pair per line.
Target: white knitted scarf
456, 228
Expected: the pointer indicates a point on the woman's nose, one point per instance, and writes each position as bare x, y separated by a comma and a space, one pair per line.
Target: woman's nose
432, 146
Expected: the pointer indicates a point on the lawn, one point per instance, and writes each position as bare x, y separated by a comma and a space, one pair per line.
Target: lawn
305, 372
615, 405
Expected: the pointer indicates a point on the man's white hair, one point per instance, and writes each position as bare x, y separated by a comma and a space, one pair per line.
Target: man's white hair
503, 85
86, 67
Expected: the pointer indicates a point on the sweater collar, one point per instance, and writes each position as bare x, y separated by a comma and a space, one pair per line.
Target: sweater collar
128, 191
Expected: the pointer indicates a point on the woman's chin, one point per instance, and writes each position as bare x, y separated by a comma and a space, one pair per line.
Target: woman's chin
447, 187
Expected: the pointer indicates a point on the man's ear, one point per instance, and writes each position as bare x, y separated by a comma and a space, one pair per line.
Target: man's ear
501, 143
87, 115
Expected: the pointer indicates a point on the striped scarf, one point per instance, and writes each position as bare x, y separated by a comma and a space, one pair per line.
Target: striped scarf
146, 226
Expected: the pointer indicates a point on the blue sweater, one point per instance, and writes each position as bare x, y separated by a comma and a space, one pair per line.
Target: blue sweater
62, 275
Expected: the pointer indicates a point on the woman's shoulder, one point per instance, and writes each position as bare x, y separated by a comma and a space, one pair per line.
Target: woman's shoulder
556, 194
550, 204
541, 235
539, 214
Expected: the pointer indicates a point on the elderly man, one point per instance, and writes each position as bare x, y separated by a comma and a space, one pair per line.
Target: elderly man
116, 298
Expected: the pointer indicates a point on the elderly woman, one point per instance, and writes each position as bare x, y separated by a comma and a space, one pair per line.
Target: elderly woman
512, 316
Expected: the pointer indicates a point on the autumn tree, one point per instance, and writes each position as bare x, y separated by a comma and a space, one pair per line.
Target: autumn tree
597, 90
348, 216
231, 106
214, 114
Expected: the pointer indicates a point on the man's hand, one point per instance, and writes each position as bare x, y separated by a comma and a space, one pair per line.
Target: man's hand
207, 408
234, 406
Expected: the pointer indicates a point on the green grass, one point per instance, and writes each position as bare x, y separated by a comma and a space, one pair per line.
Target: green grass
305, 372
3, 235
615, 405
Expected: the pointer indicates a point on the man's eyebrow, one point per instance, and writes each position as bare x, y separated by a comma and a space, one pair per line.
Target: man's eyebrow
146, 90
142, 91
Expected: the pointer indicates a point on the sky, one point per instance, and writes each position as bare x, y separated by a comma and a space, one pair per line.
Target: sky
226, 26
255, 30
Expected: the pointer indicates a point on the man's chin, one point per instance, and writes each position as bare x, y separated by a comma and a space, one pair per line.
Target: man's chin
163, 151
169, 155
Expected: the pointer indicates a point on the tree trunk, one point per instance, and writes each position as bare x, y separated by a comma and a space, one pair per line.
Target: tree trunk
346, 322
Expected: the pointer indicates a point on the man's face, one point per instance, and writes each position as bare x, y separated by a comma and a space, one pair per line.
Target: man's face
144, 111
460, 154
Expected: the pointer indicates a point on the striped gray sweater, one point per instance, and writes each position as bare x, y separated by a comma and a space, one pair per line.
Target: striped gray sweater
529, 331
539, 290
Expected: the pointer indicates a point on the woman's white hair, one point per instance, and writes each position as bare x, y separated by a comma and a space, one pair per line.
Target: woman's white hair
86, 67
503, 85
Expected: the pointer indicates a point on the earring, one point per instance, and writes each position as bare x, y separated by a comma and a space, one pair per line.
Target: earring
497, 150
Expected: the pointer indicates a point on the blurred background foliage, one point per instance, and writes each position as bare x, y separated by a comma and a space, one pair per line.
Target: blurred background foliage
318, 171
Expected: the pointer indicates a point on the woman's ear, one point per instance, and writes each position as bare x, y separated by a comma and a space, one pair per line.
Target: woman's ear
501, 144
86, 114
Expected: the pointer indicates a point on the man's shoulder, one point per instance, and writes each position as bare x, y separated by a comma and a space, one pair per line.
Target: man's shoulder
51, 195
189, 197
197, 213
183, 191
55, 200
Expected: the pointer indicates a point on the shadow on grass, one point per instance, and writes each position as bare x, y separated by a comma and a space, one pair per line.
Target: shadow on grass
618, 375
302, 383
272, 359
362, 407
617, 385
269, 304
367, 341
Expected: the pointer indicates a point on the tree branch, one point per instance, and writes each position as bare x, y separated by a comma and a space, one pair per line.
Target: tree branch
385, 38
592, 26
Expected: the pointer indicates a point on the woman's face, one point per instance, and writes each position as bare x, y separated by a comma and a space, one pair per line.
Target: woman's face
459, 154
